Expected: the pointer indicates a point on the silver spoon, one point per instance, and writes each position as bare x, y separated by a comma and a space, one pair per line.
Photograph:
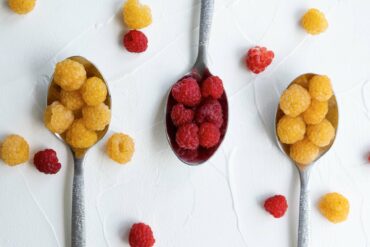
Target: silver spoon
78, 202
305, 170
199, 71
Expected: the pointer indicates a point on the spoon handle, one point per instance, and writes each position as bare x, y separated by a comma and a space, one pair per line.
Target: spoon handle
78, 205
206, 14
304, 210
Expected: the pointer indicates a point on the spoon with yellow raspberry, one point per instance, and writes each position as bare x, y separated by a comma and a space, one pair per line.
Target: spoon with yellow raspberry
79, 114
306, 125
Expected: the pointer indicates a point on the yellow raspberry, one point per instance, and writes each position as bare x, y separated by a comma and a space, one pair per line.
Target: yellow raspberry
304, 152
22, 6
314, 22
94, 91
335, 207
302, 80
320, 88
321, 134
71, 99
316, 112
57, 118
69, 75
14, 150
291, 129
96, 117
78, 136
295, 100
136, 15
120, 148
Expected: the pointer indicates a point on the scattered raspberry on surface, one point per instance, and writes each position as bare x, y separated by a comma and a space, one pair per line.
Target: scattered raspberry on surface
187, 92
210, 111
57, 118
320, 88
71, 99
78, 136
295, 100
258, 58
321, 134
69, 75
335, 207
14, 150
316, 112
94, 91
291, 129
304, 152
187, 136
141, 235
314, 22
212, 87
22, 6
136, 15
96, 117
135, 41
276, 206
209, 135
120, 148
46, 161
180, 115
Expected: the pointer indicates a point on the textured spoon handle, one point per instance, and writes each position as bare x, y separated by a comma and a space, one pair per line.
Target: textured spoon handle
78, 205
304, 211
206, 14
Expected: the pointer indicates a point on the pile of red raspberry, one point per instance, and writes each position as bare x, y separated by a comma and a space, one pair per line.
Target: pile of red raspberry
198, 114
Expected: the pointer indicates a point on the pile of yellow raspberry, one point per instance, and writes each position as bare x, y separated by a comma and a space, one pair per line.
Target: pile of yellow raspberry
14, 150
304, 125
314, 22
79, 109
120, 148
136, 15
335, 207
22, 7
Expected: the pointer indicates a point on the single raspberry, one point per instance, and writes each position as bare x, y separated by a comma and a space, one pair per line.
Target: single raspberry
209, 135
210, 111
135, 41
187, 92
276, 205
136, 15
180, 115
22, 6
14, 150
187, 136
141, 235
314, 22
69, 75
94, 91
46, 161
258, 58
120, 148
212, 87
368, 157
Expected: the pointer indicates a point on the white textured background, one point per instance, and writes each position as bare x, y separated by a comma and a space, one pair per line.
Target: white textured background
219, 203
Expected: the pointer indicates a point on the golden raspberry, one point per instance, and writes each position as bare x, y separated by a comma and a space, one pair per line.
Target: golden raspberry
120, 148
96, 117
314, 22
334, 207
291, 129
321, 134
320, 88
22, 6
316, 112
57, 118
304, 152
69, 75
295, 100
136, 15
78, 136
71, 99
94, 91
14, 150
302, 81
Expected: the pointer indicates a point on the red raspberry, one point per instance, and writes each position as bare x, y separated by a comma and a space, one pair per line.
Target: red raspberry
46, 161
210, 111
209, 135
212, 87
187, 136
187, 92
180, 115
258, 58
276, 205
141, 235
135, 41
